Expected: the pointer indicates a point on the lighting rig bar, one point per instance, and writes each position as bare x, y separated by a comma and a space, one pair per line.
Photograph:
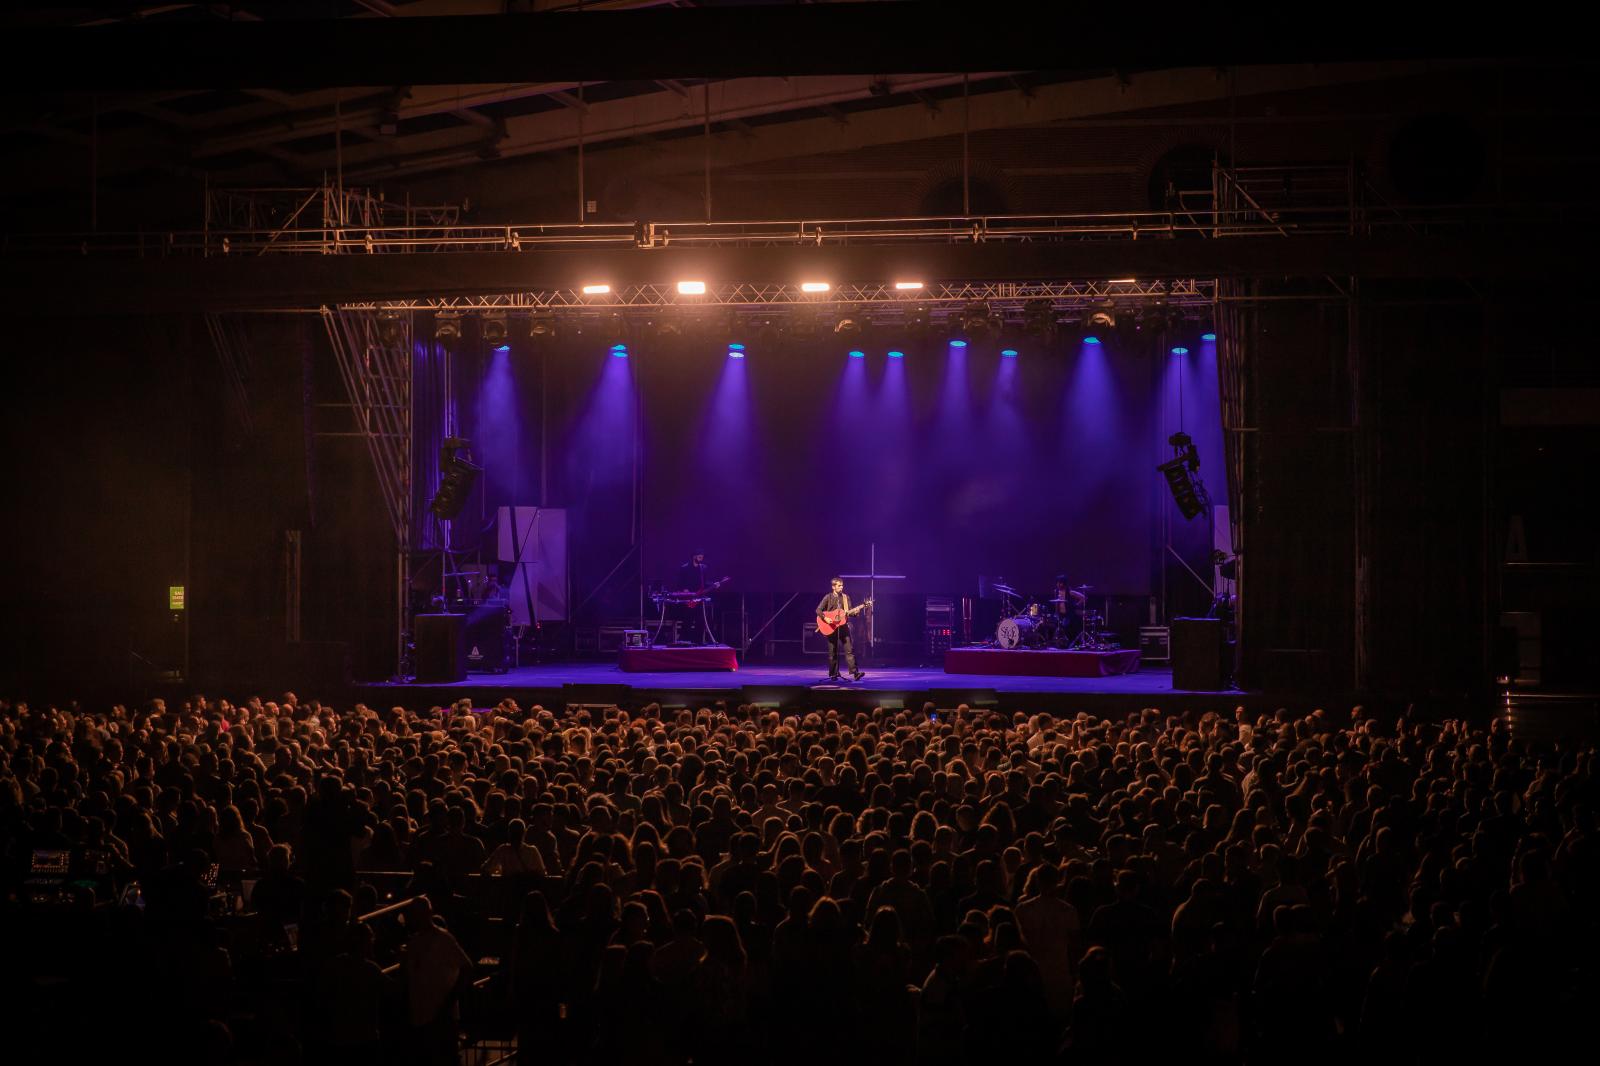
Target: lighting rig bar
934, 299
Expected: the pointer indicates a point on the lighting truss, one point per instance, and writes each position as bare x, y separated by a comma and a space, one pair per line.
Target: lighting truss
374, 356
1010, 300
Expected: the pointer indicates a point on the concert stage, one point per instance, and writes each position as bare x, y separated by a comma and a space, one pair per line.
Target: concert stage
560, 684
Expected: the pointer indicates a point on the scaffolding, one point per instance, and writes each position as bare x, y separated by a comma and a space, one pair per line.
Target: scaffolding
373, 353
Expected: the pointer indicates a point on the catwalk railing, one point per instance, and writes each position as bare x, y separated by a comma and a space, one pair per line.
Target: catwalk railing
1248, 219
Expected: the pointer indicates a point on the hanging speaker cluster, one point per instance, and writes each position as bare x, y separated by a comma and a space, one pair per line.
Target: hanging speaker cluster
458, 476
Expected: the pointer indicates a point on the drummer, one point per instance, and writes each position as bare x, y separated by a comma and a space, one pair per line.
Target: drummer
1067, 600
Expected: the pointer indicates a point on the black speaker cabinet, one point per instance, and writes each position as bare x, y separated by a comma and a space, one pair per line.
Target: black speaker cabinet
441, 647
1197, 654
488, 651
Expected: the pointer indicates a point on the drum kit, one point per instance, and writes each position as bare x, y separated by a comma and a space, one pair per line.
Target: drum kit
1055, 623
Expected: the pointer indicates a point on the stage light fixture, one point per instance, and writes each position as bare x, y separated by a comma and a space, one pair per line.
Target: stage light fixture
1208, 336
977, 320
493, 331
619, 351
691, 288
542, 324
917, 321
1039, 318
857, 353
1009, 353
1122, 281
735, 351
447, 328
803, 324
392, 328
596, 290
1180, 350
907, 286
895, 353
958, 343
814, 286
1090, 338
1102, 317
849, 324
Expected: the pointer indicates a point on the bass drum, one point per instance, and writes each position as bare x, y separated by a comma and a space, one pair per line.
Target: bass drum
1018, 632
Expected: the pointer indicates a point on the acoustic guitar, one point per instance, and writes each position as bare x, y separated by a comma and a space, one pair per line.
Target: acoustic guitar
830, 622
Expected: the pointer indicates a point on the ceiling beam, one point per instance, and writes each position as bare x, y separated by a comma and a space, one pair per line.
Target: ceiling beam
727, 42
1091, 98
650, 113
370, 112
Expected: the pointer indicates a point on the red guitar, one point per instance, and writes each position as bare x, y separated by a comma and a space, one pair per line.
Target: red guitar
830, 622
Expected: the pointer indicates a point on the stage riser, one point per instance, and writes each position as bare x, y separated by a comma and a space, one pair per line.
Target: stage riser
1031, 663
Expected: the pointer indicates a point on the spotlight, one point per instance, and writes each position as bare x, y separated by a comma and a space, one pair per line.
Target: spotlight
1102, 317
850, 323
447, 328
543, 324
1180, 351
619, 351
917, 321
735, 351
596, 290
896, 354
907, 286
977, 321
1122, 281
857, 353
814, 286
392, 328
958, 344
1038, 318
1208, 336
1009, 353
1090, 338
691, 288
493, 332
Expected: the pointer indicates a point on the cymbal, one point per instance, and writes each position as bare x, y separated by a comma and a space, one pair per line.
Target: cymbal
1006, 589
1080, 588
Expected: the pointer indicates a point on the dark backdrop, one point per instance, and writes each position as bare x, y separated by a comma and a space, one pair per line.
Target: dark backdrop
788, 465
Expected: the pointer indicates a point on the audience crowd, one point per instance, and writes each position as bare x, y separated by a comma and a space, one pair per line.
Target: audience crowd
738, 884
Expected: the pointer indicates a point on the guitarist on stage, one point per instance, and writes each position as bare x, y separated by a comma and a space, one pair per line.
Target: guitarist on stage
833, 620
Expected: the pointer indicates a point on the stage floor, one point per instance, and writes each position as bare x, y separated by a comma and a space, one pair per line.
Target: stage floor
554, 684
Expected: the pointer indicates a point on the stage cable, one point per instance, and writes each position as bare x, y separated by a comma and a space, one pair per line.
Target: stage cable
966, 158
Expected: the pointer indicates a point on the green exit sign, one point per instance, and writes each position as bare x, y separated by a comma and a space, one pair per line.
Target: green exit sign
174, 597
